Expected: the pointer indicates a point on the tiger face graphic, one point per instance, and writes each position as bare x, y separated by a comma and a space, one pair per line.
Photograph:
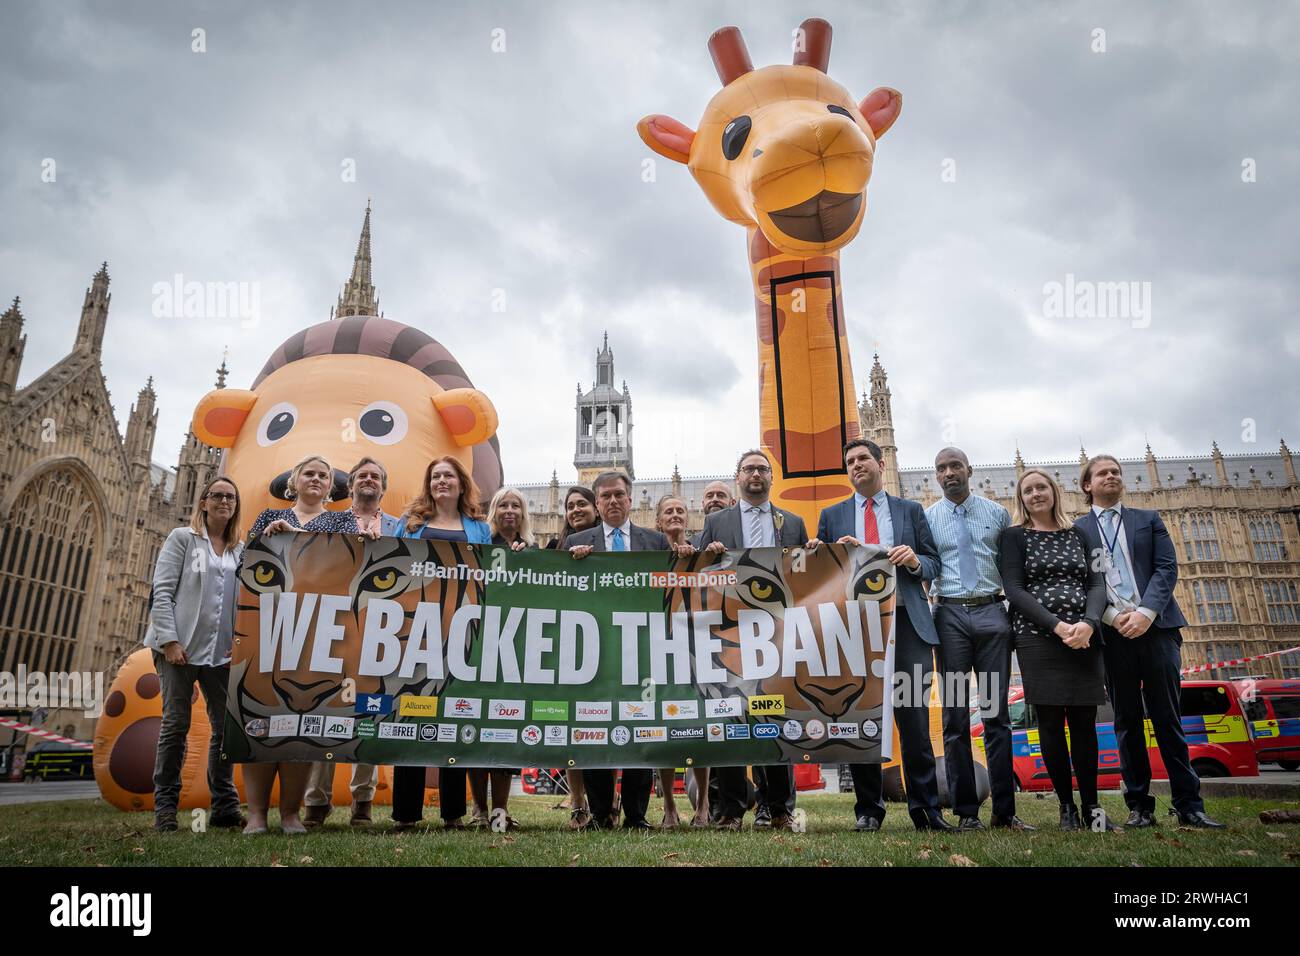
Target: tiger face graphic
363, 571
771, 580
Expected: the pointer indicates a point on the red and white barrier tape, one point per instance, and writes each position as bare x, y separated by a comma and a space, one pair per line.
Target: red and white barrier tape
1199, 668
47, 734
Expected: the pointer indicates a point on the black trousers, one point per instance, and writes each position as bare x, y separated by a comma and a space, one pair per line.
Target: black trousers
979, 639
408, 793
914, 658
1080, 750
1146, 669
636, 786
774, 787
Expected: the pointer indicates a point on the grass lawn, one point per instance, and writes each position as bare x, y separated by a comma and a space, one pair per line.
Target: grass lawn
86, 833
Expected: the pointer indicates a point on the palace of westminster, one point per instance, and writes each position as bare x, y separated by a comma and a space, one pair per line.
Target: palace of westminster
84, 510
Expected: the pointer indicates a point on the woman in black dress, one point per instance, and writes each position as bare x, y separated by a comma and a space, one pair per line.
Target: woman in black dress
1057, 600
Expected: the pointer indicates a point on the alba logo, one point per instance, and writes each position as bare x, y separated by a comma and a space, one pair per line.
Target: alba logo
412, 706
772, 705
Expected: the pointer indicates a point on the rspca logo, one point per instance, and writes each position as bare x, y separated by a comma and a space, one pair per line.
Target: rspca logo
766, 731
723, 707
75, 909
428, 733
737, 731
396, 731
767, 705
842, 731
463, 707
374, 704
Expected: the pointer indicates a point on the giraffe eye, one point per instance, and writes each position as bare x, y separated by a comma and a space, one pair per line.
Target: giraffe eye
734, 136
841, 110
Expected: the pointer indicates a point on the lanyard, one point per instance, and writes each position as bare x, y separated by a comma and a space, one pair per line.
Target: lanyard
1110, 545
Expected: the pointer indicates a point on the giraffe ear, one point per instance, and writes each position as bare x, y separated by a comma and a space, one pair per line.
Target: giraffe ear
667, 137
220, 415
468, 414
880, 108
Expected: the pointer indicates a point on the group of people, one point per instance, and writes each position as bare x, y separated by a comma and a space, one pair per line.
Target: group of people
1088, 607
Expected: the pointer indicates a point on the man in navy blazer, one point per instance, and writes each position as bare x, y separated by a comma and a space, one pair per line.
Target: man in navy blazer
872, 516
1141, 643
616, 532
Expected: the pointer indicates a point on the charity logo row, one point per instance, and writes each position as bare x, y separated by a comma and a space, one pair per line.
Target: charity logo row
346, 728
589, 711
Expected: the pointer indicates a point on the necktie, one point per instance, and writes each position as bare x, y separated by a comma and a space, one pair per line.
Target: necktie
1125, 587
870, 530
965, 551
755, 527
617, 536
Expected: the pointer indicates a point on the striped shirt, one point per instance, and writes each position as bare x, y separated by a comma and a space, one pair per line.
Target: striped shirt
986, 521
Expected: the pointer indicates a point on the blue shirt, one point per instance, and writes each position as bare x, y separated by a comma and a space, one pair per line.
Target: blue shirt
986, 521
884, 521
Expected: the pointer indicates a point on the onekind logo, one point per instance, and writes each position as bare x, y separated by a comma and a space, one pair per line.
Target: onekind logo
103, 909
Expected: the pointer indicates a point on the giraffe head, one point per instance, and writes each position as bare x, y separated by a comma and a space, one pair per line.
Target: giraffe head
783, 148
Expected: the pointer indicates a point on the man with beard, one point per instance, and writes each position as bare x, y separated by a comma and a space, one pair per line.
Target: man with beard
974, 633
367, 483
616, 532
754, 522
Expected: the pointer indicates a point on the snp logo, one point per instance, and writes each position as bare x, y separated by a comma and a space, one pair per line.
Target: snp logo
75, 909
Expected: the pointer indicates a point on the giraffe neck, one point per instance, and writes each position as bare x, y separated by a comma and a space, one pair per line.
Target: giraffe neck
806, 394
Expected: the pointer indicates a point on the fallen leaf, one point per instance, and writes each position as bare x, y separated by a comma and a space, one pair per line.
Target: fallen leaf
398, 850
824, 862
887, 863
1029, 852
1246, 853
139, 850
1275, 836
307, 859
958, 859
923, 855
670, 856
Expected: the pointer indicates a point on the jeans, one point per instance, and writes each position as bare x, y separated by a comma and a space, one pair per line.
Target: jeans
177, 684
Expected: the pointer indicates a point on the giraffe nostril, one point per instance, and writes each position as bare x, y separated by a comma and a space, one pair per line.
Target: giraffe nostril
757, 153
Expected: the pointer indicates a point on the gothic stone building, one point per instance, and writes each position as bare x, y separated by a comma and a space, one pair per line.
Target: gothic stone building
1234, 519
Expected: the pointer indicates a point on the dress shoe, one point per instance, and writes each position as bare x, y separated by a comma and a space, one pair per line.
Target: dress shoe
783, 822
165, 823
762, 818
1140, 820
1198, 819
1070, 821
969, 823
1090, 817
936, 822
1012, 822
867, 825
735, 824
404, 826
313, 817
636, 825
361, 814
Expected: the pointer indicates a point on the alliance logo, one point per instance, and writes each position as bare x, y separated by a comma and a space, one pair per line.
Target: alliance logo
408, 705
767, 731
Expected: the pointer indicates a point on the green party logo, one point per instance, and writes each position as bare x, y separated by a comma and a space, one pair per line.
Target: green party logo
550, 710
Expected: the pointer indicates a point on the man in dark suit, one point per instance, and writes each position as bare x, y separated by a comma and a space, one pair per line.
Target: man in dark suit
754, 522
616, 532
873, 516
1141, 643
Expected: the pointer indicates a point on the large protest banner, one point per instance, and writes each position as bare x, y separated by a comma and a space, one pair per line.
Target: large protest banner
399, 651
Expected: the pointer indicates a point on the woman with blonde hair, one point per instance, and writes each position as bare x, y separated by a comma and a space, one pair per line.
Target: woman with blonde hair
508, 520
1057, 599
447, 509
191, 630
670, 518
309, 486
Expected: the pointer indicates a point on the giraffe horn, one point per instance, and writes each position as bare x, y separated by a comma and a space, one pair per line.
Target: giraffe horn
730, 57
816, 47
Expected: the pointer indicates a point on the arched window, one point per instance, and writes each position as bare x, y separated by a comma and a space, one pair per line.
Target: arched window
1205, 542
1213, 601
1280, 600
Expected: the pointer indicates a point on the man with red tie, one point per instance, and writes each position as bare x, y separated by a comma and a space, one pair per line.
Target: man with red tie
872, 516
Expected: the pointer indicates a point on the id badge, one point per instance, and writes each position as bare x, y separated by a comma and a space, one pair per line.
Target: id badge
1113, 577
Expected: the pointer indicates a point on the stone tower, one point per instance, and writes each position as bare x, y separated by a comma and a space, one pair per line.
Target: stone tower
603, 433
877, 420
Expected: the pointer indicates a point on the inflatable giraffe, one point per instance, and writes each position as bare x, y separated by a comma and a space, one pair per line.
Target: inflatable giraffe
786, 152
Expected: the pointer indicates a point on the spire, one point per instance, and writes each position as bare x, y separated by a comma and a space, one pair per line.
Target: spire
222, 372
1019, 463
1153, 472
141, 426
94, 313
358, 295
12, 343
1288, 464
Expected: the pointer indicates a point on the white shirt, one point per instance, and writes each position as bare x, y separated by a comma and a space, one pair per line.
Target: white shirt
626, 528
211, 646
766, 529
1121, 553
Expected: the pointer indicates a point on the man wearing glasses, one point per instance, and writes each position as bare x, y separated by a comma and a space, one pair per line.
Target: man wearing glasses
754, 522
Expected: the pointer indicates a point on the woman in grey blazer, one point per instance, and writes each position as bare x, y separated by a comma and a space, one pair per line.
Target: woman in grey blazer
191, 628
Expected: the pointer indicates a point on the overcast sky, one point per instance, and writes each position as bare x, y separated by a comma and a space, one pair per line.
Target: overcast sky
521, 171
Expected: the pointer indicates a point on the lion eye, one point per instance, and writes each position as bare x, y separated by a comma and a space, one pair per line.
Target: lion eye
266, 574
382, 580
760, 589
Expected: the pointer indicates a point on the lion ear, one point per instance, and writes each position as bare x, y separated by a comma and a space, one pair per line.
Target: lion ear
220, 415
468, 414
